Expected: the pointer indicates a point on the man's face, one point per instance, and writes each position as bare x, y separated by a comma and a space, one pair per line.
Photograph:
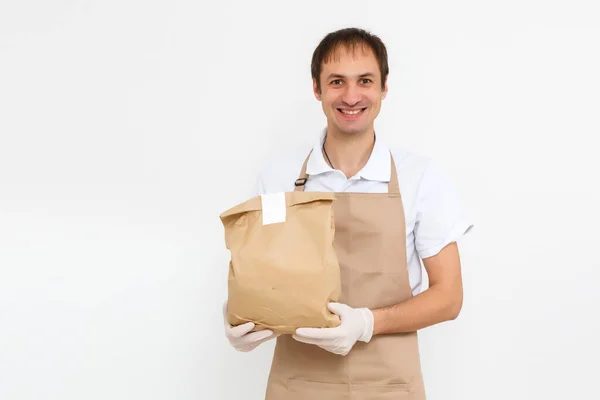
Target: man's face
351, 90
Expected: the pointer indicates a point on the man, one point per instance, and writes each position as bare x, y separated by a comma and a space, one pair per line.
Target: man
393, 209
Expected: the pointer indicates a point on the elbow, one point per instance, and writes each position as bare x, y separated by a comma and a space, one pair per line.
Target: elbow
454, 313
454, 308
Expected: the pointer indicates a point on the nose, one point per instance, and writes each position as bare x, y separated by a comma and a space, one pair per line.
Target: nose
351, 95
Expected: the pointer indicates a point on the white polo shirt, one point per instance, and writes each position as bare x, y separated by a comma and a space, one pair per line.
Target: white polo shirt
432, 206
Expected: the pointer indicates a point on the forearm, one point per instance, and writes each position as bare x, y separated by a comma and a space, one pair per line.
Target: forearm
432, 306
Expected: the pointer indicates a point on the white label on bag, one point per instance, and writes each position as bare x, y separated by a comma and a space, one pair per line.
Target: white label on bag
273, 208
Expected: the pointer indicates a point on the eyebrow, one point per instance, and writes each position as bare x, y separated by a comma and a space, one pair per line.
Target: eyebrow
365, 75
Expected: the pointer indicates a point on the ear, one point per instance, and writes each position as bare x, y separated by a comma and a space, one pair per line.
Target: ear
385, 89
316, 90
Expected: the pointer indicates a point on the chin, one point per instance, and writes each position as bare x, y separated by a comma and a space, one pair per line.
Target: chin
348, 129
352, 130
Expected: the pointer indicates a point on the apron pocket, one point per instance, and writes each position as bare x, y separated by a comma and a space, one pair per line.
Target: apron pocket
310, 390
400, 391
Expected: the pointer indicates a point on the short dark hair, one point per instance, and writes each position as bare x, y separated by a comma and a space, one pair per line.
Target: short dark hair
350, 38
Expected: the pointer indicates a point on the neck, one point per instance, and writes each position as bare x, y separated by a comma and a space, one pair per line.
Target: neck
349, 153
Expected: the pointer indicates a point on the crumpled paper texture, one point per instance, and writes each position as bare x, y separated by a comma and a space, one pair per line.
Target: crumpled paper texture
283, 275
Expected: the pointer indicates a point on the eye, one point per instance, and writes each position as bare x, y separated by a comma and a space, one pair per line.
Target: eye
366, 80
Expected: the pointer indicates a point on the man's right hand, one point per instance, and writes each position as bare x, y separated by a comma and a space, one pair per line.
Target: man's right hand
239, 337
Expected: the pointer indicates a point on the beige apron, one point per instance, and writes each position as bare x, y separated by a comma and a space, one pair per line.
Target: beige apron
370, 242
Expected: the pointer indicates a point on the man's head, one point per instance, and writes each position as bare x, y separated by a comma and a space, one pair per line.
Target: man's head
349, 70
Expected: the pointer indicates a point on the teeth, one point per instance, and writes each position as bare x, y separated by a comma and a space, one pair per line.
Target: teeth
351, 112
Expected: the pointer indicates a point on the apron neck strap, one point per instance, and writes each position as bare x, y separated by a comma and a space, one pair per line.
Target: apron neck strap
301, 181
393, 186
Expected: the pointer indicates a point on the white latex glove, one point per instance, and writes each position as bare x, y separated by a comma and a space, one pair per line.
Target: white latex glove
239, 337
356, 324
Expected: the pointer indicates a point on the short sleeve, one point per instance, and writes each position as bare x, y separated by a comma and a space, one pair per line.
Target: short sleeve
259, 187
441, 218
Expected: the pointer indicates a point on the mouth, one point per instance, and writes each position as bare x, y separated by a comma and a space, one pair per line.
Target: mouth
351, 113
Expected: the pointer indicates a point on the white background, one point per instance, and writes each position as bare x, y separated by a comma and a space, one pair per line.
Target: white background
126, 127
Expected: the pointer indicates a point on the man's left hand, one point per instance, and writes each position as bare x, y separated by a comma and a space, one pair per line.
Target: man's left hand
356, 324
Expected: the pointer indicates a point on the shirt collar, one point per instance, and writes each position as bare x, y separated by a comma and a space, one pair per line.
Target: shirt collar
377, 168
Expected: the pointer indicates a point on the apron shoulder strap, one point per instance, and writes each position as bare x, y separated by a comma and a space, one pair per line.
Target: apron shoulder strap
303, 177
393, 186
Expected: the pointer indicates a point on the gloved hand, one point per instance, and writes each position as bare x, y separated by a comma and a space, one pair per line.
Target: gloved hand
356, 324
239, 337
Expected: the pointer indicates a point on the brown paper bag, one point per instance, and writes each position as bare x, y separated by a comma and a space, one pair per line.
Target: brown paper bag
282, 274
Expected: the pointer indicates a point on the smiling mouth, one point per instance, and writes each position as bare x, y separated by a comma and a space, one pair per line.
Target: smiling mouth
351, 112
